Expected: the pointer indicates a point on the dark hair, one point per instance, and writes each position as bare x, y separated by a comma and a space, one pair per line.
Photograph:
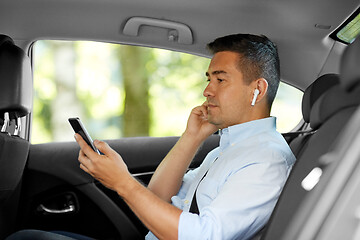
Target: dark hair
259, 58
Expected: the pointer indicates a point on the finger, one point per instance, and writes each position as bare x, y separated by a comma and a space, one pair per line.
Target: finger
85, 169
104, 148
83, 158
204, 110
86, 162
201, 110
84, 146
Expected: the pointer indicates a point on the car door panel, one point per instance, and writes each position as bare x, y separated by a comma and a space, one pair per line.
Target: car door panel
53, 180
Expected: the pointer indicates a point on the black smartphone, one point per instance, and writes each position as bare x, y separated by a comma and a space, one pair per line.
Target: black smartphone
80, 129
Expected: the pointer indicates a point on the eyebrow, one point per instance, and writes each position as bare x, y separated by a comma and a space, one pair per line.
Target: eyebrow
216, 73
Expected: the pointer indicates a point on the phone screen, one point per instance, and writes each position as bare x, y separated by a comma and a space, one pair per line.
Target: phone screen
80, 129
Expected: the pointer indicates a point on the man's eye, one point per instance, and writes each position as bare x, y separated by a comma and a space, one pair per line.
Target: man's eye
208, 80
220, 80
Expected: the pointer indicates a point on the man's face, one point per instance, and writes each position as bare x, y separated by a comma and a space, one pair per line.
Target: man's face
228, 96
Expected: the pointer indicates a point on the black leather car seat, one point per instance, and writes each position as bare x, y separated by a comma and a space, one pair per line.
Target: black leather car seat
311, 94
349, 67
329, 114
318, 208
298, 140
15, 103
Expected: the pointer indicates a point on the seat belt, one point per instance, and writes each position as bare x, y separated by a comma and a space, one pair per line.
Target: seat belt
194, 206
290, 136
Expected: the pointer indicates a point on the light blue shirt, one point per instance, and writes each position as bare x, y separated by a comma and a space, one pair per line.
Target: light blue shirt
241, 188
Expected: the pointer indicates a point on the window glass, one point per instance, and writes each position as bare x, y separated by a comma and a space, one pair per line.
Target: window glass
351, 30
287, 107
123, 91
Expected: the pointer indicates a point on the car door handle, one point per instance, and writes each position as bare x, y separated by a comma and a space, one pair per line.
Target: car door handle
69, 209
61, 203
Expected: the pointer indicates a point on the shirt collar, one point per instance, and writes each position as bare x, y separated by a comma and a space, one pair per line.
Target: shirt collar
236, 133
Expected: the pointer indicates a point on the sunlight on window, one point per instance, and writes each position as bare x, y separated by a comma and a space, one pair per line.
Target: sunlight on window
121, 91
351, 31
287, 107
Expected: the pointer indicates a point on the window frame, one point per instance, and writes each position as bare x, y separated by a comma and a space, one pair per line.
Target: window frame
334, 36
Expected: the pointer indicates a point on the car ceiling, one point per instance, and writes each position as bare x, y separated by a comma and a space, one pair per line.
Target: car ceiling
305, 51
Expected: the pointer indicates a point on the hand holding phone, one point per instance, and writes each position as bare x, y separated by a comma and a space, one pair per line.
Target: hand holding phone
80, 129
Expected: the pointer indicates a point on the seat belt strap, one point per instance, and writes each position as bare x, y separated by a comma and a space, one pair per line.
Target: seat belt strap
194, 206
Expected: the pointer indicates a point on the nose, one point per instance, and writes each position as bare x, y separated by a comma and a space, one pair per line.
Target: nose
209, 91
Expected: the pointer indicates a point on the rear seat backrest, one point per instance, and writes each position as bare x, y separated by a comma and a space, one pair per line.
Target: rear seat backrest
311, 95
349, 82
15, 100
329, 113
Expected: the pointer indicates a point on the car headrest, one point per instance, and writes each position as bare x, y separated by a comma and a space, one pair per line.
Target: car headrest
330, 103
5, 39
15, 79
349, 66
315, 90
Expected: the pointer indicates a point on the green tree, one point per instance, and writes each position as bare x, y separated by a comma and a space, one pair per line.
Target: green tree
66, 103
136, 117
117, 91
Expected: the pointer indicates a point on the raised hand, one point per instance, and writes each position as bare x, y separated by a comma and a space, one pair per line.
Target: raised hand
198, 125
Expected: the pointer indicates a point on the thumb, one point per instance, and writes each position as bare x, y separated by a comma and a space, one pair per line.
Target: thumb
104, 148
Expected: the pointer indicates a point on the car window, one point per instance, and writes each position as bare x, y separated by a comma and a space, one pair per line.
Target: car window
287, 107
124, 91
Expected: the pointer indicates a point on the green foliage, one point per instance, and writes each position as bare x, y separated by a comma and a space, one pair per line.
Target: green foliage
44, 92
176, 87
92, 87
176, 81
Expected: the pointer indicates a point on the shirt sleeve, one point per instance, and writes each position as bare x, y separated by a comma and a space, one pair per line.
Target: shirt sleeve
186, 182
241, 206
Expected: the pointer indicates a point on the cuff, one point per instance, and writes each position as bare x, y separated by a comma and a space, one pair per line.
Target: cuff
189, 226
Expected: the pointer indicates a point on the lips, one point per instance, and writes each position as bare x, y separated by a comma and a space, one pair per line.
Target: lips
211, 105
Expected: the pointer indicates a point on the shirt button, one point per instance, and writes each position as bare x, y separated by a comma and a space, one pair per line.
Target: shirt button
232, 145
186, 201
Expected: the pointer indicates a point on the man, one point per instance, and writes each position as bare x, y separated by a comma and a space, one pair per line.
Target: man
238, 184
232, 194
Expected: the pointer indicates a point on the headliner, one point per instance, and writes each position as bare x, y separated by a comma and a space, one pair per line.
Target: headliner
305, 51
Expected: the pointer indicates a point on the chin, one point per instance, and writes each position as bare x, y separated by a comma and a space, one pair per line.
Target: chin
214, 122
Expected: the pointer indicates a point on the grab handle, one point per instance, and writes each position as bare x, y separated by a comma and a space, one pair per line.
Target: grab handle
183, 33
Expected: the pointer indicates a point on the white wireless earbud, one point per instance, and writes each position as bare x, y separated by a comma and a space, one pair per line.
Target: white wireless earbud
256, 93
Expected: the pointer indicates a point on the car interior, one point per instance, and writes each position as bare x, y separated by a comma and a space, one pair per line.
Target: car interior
41, 184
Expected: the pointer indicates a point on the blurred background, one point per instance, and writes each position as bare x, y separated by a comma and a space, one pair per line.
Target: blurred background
125, 91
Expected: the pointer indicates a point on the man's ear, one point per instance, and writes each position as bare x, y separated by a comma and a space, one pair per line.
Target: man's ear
262, 85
